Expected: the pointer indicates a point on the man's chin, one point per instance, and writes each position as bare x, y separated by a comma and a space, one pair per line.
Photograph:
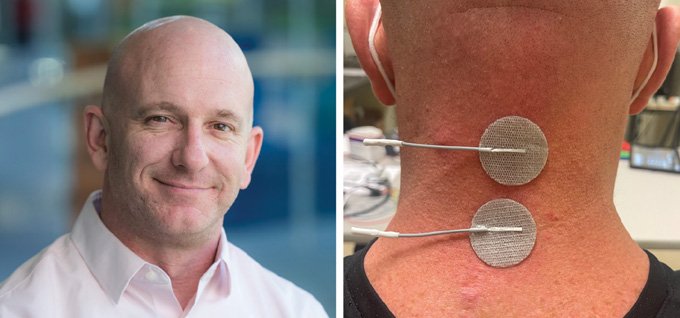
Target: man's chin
185, 221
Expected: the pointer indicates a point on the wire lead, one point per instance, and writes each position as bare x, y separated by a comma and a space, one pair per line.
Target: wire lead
399, 143
475, 229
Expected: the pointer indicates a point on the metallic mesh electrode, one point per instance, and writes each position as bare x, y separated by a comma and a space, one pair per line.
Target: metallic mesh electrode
503, 249
510, 168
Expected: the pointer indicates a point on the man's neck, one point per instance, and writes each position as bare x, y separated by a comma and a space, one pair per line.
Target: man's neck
582, 251
184, 264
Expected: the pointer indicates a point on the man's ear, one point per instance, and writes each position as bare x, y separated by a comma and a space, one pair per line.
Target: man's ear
252, 153
668, 33
359, 16
95, 136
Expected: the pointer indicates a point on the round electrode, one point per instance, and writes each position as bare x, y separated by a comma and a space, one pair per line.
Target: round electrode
503, 249
512, 168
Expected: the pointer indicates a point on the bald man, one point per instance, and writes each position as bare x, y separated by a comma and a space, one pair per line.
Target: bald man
175, 140
574, 68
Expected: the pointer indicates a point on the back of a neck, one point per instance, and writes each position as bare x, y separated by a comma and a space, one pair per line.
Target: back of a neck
582, 250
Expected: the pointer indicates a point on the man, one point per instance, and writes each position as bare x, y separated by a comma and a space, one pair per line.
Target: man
175, 140
571, 67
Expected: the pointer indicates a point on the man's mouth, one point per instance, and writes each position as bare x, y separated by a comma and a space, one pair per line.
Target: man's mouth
183, 185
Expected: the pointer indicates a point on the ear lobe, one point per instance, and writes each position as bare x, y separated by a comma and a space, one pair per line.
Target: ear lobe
668, 33
359, 15
95, 136
252, 153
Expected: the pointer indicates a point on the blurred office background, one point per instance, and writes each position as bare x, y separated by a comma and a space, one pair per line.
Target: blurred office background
52, 63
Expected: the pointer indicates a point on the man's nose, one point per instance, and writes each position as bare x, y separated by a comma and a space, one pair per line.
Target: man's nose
191, 153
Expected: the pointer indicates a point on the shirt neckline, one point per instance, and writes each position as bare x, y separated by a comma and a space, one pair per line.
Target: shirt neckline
360, 295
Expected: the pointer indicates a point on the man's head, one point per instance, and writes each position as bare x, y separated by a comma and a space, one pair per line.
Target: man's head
174, 135
571, 67
444, 40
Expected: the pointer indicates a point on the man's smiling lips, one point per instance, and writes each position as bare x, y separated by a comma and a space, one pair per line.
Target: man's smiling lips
174, 185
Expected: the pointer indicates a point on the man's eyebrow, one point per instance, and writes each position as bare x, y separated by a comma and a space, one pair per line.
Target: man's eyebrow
228, 115
166, 106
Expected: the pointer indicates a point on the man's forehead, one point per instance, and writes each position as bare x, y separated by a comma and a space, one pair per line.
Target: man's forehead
210, 56
191, 95
201, 52
184, 61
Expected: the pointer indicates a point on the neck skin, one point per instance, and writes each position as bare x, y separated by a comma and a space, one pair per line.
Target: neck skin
582, 251
184, 264
509, 61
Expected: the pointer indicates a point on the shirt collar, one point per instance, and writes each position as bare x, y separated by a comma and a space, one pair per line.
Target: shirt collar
216, 280
110, 261
222, 249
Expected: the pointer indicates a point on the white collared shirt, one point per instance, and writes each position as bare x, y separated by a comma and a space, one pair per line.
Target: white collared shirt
90, 273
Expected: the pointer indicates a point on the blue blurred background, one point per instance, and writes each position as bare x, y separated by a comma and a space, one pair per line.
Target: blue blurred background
52, 56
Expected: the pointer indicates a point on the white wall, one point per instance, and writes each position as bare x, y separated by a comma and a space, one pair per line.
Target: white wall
670, 2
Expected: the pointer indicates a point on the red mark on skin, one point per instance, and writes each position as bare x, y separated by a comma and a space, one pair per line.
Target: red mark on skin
552, 217
469, 297
470, 291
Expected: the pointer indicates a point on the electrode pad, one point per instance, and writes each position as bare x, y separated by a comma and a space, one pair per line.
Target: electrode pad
513, 168
503, 249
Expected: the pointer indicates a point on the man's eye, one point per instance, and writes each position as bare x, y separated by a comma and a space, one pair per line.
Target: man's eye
158, 119
221, 127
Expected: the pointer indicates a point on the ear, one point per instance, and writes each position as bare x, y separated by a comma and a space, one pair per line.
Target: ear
95, 136
252, 153
668, 33
359, 16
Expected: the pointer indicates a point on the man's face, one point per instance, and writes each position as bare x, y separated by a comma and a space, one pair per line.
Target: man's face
179, 145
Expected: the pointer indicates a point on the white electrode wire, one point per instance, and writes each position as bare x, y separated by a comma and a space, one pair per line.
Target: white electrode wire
399, 143
655, 46
391, 234
374, 52
480, 149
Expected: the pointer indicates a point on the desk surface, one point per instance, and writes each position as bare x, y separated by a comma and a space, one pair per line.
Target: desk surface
648, 203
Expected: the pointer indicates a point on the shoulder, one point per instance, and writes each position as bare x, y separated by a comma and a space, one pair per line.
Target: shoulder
263, 283
352, 283
350, 272
660, 297
33, 267
672, 307
34, 283
354, 274
353, 262
360, 299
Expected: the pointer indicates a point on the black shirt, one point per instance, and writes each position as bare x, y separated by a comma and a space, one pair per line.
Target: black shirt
659, 298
